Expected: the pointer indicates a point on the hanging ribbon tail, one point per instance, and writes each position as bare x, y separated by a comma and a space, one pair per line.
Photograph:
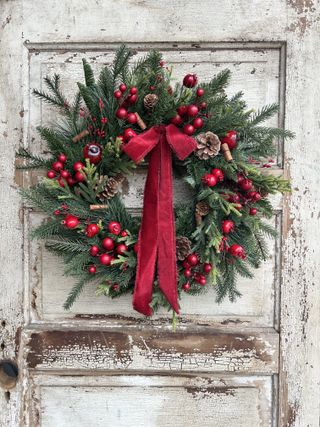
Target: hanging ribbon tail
157, 242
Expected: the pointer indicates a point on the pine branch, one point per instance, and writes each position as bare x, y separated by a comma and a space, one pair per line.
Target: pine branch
88, 73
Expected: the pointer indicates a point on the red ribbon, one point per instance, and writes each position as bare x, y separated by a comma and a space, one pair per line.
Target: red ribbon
157, 240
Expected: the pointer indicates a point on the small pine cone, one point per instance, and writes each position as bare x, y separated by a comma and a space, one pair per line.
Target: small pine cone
208, 145
111, 187
150, 101
183, 246
202, 208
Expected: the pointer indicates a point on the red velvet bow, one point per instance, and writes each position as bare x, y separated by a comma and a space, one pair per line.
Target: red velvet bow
157, 240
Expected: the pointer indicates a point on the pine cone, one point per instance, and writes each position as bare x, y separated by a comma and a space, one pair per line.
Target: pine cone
150, 101
202, 208
208, 145
183, 246
111, 187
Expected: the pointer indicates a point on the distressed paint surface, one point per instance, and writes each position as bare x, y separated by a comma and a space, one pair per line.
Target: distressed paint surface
292, 26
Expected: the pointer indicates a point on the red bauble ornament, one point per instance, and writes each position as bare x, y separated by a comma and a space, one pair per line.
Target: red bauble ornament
124, 233
209, 180
176, 120
197, 123
121, 113
94, 250
187, 272
108, 243
200, 91
237, 251
91, 230
218, 174
253, 211
105, 259
117, 94
121, 249
192, 259
133, 99
78, 166
246, 184
57, 166
190, 80
132, 118
71, 221
188, 129
193, 110
227, 226
128, 134
93, 152
51, 174
62, 158
133, 90
122, 87
64, 174
231, 139
207, 267
186, 286
114, 227
92, 269
182, 110
79, 176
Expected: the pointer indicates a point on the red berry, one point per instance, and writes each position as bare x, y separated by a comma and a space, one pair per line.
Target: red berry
121, 113
132, 118
128, 134
152, 88
79, 176
57, 166
115, 287
121, 248
64, 174
94, 250
105, 259
188, 129
197, 123
190, 80
77, 166
202, 280
207, 267
246, 184
203, 105
122, 87
57, 212
161, 63
114, 227
218, 174
133, 99
51, 174
92, 269
91, 230
257, 197
253, 211
108, 243
200, 92
240, 178
231, 139
176, 120
227, 226
61, 182
192, 259
186, 286
209, 180
117, 94
71, 181
193, 110
187, 272
237, 251
182, 110
185, 264
123, 233
71, 221
104, 120
133, 90
62, 158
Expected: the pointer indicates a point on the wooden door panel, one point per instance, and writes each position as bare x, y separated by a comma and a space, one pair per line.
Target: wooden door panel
143, 401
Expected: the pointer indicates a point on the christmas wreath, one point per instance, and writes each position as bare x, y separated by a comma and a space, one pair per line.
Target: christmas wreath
133, 116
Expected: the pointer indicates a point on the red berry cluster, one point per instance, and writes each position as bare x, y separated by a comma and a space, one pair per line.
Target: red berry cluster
59, 171
126, 98
194, 271
211, 179
245, 194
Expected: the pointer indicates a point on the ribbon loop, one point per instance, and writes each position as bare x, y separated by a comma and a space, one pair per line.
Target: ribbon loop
157, 241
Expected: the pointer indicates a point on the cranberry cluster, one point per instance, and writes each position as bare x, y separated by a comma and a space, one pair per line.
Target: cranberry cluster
194, 271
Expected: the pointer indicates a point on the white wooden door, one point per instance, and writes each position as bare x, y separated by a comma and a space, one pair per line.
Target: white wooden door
253, 363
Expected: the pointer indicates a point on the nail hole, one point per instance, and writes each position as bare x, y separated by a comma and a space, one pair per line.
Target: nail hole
7, 395
2, 345
3, 323
8, 374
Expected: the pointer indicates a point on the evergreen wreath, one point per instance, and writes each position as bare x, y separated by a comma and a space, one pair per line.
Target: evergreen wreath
220, 233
